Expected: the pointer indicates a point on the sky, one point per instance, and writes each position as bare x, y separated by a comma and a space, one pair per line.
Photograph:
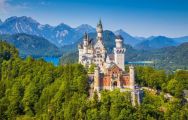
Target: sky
137, 17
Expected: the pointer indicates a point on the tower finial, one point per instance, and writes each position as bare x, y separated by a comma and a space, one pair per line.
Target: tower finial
99, 27
99, 23
85, 35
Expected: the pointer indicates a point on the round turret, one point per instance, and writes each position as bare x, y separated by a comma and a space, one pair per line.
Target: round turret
80, 46
85, 39
119, 41
132, 77
96, 79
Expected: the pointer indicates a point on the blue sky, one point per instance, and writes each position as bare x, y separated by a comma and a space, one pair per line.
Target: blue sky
137, 17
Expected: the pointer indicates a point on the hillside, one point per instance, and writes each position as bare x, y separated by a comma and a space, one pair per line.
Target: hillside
128, 39
31, 45
181, 39
169, 58
155, 43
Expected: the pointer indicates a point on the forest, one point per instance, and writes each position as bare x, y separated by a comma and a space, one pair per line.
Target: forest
35, 90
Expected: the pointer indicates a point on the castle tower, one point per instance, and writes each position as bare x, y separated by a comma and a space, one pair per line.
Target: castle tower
119, 53
132, 77
96, 79
80, 50
99, 30
85, 43
99, 49
132, 85
85, 51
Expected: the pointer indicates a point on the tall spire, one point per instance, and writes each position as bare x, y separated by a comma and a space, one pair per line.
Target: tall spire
99, 25
85, 35
99, 30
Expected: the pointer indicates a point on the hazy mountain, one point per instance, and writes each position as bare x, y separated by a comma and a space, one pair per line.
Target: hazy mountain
31, 45
169, 58
23, 24
128, 39
156, 43
140, 38
59, 35
0, 22
63, 34
85, 28
181, 39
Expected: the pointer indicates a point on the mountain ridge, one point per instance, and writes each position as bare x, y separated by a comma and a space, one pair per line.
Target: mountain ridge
63, 34
128, 39
31, 45
59, 35
156, 42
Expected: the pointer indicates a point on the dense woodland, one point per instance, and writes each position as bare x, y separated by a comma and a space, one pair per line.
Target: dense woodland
33, 89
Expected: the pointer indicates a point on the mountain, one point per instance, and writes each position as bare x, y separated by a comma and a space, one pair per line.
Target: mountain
128, 39
0, 22
31, 45
23, 24
85, 28
59, 35
181, 39
140, 38
156, 43
169, 58
64, 34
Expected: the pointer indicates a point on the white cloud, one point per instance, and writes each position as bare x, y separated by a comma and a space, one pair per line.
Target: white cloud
3, 6
6, 7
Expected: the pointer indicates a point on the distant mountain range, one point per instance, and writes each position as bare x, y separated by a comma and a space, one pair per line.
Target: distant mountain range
85, 28
32, 38
169, 58
0, 22
32, 45
156, 43
128, 39
181, 39
59, 35
64, 36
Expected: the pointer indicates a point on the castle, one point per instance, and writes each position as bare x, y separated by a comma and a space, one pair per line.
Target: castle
110, 71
